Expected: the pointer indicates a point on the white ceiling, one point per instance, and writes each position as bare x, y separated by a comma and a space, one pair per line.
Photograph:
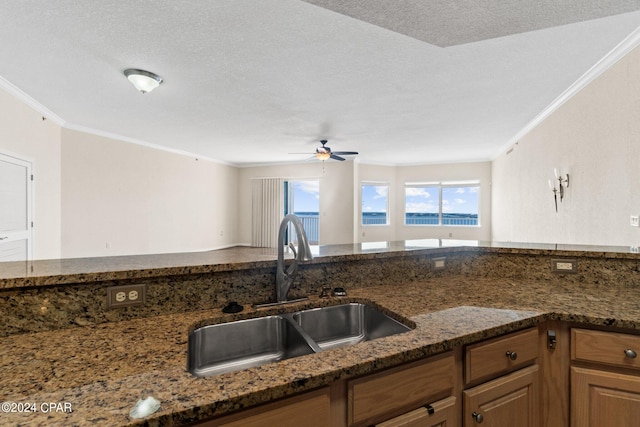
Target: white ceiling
250, 81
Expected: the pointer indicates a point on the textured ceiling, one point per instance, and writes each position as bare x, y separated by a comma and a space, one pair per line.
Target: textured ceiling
250, 81
449, 23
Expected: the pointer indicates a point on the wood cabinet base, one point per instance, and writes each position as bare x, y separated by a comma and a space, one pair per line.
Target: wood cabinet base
511, 400
604, 399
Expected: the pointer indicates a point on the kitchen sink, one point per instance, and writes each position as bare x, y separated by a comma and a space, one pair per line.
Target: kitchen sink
347, 324
233, 346
242, 344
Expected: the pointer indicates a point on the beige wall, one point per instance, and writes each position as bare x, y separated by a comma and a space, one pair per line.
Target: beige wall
595, 137
336, 196
340, 206
120, 198
24, 134
92, 192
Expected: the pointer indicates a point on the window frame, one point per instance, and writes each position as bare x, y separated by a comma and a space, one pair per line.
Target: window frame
289, 208
387, 211
440, 185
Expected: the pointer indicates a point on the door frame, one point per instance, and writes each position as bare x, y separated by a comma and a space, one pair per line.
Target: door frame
28, 164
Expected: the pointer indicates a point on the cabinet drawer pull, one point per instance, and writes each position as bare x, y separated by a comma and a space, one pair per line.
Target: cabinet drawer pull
630, 353
477, 417
512, 355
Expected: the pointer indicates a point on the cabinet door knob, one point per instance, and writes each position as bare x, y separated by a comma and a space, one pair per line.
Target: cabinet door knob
630, 353
512, 355
478, 417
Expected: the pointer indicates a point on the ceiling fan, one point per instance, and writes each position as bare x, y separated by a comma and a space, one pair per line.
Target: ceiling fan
324, 153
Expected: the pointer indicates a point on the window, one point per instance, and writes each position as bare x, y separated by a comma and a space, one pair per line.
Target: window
421, 205
460, 205
302, 198
375, 204
442, 203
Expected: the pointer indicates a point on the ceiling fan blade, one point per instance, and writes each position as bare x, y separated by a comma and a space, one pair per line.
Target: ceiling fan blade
334, 157
345, 153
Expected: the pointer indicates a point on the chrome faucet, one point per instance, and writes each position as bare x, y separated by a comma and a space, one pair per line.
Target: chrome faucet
284, 279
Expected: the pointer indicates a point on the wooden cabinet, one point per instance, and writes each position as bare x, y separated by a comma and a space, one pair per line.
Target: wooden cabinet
442, 413
402, 392
510, 400
509, 395
605, 384
604, 399
590, 377
500, 355
606, 348
308, 409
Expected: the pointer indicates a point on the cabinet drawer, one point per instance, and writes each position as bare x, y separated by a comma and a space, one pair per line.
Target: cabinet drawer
308, 409
609, 348
386, 394
500, 355
443, 413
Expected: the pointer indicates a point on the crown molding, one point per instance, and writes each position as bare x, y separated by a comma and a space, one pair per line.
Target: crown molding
616, 54
30, 102
114, 136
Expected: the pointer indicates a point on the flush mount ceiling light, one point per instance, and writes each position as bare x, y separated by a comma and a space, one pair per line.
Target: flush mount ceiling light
144, 81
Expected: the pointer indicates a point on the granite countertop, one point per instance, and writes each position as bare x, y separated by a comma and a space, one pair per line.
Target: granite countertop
101, 371
87, 270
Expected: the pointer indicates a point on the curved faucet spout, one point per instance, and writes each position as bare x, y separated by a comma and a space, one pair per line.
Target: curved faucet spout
285, 278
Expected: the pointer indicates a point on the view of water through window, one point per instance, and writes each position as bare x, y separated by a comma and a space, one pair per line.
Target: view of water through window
375, 204
303, 199
441, 205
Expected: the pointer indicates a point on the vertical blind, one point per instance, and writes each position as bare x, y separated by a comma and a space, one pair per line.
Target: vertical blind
267, 211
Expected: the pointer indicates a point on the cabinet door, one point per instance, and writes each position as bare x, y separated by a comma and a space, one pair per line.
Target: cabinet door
604, 399
511, 400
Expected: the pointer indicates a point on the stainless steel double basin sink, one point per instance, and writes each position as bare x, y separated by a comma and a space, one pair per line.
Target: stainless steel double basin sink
242, 344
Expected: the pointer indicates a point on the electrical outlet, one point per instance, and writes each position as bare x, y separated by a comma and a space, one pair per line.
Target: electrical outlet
126, 295
634, 220
438, 263
564, 265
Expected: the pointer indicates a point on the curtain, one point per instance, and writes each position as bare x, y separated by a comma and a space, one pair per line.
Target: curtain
267, 211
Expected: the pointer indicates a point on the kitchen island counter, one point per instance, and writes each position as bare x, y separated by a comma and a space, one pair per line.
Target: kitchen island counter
57, 272
101, 371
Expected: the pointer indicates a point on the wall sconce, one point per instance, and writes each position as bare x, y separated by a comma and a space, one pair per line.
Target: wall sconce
563, 184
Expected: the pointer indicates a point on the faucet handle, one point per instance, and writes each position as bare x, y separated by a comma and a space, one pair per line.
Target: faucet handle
325, 292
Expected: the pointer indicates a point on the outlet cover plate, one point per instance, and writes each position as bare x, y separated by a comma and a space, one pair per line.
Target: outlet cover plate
126, 295
564, 265
438, 263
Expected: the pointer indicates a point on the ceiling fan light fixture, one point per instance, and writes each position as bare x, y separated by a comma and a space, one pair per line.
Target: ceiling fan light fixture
144, 81
323, 155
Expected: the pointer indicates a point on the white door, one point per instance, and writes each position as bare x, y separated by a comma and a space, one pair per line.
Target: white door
15, 209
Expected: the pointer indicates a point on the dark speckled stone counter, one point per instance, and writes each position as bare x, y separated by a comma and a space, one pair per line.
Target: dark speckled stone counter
60, 348
87, 270
103, 370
